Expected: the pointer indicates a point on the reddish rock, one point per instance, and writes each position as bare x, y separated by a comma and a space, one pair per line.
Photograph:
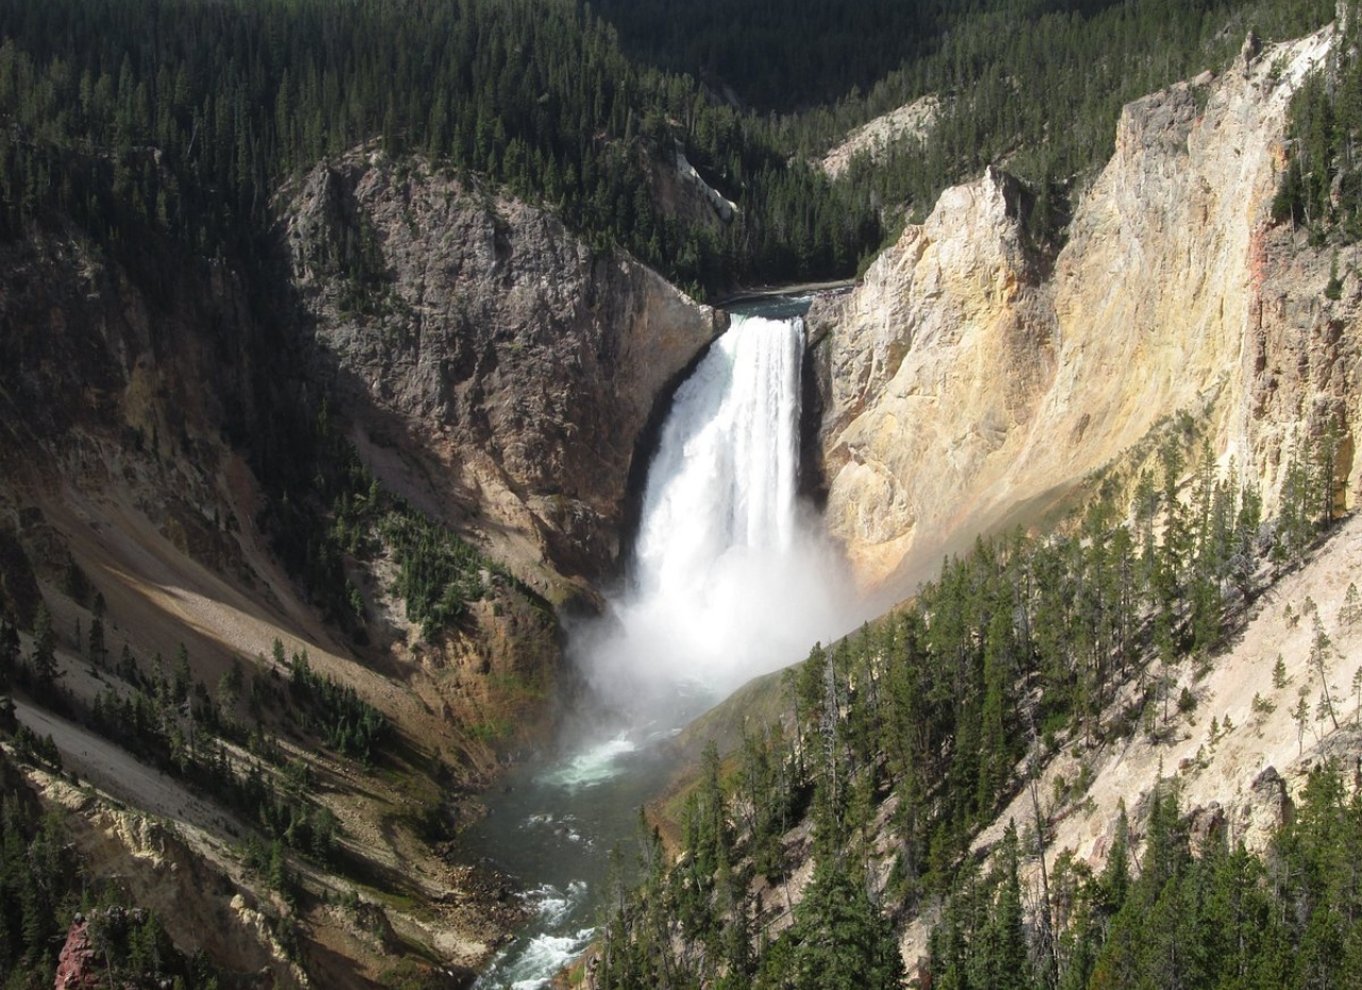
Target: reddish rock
77, 966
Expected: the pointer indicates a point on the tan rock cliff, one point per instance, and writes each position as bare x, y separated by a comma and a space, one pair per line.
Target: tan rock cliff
964, 389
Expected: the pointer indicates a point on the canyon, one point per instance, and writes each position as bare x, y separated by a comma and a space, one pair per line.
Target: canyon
508, 379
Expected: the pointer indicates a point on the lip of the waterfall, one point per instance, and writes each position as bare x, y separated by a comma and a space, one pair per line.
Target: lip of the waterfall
777, 306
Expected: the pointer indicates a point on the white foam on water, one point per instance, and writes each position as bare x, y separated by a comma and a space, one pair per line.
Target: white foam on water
544, 957
594, 765
553, 905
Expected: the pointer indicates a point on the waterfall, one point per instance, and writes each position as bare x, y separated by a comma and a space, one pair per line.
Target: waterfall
729, 578
723, 481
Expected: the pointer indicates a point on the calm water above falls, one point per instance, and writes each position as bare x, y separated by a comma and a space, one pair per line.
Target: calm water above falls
729, 579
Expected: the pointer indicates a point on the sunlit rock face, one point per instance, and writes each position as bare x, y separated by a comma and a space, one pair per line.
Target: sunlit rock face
966, 386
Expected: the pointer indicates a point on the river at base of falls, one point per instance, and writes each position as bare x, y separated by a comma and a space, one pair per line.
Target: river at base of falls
713, 518
553, 826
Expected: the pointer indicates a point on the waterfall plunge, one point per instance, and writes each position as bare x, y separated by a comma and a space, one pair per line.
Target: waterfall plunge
729, 577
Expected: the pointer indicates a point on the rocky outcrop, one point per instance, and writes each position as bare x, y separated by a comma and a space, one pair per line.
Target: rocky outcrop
507, 371
78, 964
910, 122
964, 391
928, 369
192, 896
1266, 808
682, 193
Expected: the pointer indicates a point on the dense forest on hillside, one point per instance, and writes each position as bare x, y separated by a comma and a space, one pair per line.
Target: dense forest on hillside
1009, 72
189, 115
862, 58
1005, 71
1017, 646
783, 57
1194, 914
1089, 48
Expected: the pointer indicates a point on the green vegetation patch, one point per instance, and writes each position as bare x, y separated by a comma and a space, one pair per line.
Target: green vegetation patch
1321, 188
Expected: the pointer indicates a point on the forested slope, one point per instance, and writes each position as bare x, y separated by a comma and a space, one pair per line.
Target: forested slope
1115, 747
190, 114
805, 849
1006, 73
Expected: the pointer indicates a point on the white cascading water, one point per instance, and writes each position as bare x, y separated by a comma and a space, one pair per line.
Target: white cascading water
729, 579
723, 483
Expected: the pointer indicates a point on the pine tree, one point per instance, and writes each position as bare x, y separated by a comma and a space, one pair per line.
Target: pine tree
841, 941
1114, 882
43, 659
98, 651
1322, 653
1301, 716
183, 679
1002, 960
9, 652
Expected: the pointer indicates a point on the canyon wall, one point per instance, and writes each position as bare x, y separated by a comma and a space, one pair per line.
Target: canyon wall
968, 385
504, 357
496, 371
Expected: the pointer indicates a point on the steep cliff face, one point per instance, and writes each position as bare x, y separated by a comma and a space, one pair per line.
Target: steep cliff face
118, 374
509, 367
500, 374
964, 388
90, 340
126, 383
928, 368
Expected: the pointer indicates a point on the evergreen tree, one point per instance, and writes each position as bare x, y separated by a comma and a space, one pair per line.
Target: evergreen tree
1001, 956
840, 941
43, 660
98, 651
9, 652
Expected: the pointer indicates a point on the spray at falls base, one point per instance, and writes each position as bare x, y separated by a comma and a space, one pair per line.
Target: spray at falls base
730, 578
